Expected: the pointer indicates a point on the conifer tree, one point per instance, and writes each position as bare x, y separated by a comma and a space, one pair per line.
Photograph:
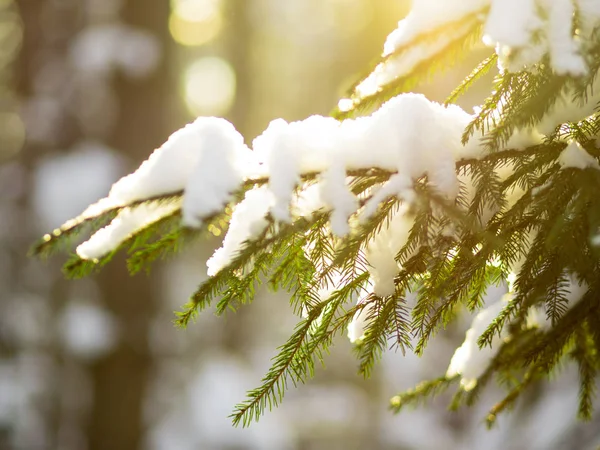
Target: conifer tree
387, 219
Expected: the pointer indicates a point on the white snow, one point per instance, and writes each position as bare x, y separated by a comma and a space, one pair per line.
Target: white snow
207, 158
248, 221
356, 328
511, 22
337, 196
524, 31
427, 15
308, 201
127, 222
564, 49
399, 185
409, 134
381, 252
574, 155
170, 167
521, 31
402, 64
470, 361
289, 149
222, 160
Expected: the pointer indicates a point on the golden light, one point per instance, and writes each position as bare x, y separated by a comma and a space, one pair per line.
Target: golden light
209, 86
195, 22
12, 134
352, 16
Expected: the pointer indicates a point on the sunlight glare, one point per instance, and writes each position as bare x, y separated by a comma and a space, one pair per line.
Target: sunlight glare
209, 86
195, 22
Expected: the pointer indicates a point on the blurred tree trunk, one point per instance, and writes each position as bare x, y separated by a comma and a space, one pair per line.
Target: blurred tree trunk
239, 41
121, 379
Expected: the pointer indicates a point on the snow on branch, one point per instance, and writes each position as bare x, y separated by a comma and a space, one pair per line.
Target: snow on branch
522, 34
206, 162
407, 200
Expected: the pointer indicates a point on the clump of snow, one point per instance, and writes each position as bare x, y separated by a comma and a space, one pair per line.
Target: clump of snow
470, 361
381, 252
128, 221
564, 49
208, 161
289, 149
170, 167
211, 142
522, 32
222, 162
409, 135
400, 65
356, 328
427, 15
574, 155
248, 221
511, 22
336, 195
308, 201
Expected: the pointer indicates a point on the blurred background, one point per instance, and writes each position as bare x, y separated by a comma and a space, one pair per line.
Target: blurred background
88, 88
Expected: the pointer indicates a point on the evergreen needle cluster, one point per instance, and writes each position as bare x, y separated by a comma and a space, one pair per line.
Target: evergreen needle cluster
546, 240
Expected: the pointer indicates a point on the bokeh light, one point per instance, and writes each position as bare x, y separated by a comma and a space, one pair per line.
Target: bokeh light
12, 134
209, 86
195, 22
351, 16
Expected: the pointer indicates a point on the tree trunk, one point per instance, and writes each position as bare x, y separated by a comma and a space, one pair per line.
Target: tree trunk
121, 380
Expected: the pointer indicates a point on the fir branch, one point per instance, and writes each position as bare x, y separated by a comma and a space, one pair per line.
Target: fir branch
242, 289
295, 360
465, 33
285, 367
78, 267
553, 344
586, 356
166, 245
486, 118
370, 349
294, 272
556, 297
525, 105
421, 393
203, 297
482, 69
510, 399
61, 238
